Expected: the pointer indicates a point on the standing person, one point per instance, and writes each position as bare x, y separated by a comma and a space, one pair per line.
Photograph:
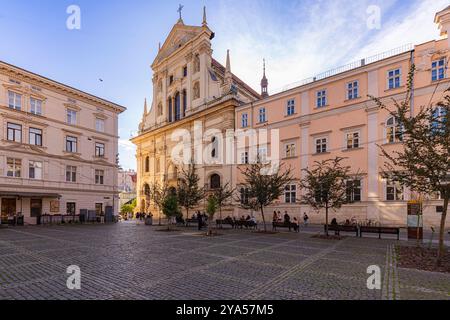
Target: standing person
296, 225
200, 222
275, 217
305, 219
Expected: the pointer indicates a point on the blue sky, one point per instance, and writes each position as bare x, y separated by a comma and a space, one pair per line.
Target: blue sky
118, 41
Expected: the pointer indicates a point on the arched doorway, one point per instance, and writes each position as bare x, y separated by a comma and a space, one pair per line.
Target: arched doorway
214, 182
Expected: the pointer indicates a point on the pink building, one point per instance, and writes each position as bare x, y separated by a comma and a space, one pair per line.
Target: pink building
331, 115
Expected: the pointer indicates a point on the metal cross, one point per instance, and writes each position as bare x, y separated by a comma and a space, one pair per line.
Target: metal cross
180, 9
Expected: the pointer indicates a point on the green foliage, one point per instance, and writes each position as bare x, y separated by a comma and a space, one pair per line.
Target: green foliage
188, 191
170, 208
127, 208
211, 207
223, 196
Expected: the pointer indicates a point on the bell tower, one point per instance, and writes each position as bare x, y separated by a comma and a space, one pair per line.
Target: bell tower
264, 82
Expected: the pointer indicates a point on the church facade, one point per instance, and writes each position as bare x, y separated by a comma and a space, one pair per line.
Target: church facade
330, 115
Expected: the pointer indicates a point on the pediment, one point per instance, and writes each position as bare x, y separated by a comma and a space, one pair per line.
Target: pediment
177, 38
27, 148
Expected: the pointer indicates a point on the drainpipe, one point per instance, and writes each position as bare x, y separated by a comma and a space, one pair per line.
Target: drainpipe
412, 87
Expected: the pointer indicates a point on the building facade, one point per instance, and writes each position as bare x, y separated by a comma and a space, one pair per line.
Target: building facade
126, 186
332, 115
58, 148
328, 116
190, 88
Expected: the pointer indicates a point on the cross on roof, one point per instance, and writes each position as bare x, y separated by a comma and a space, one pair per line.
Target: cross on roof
180, 9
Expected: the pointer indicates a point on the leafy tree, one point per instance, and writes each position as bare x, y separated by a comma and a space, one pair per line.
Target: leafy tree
211, 208
325, 185
159, 193
189, 193
223, 196
126, 208
423, 164
170, 208
265, 185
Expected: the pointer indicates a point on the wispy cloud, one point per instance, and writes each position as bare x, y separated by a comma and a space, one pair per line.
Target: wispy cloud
302, 38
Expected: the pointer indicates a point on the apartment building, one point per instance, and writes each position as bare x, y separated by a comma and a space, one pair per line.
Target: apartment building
58, 148
331, 115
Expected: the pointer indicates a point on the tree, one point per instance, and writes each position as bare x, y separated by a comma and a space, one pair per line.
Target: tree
423, 164
188, 191
223, 197
264, 185
129, 207
170, 208
325, 185
159, 194
211, 208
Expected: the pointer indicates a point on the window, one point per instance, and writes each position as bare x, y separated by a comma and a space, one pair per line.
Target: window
245, 120
100, 125
352, 90
71, 117
438, 69
262, 154
35, 106
290, 107
439, 122
35, 170
290, 150
14, 167
244, 195
35, 137
244, 157
321, 98
394, 191
170, 80
215, 181
394, 79
99, 176
71, 208
14, 100
14, 132
290, 193
352, 139
185, 71
215, 147
321, 145
262, 115
394, 132
99, 150
147, 164
353, 191
71, 174
71, 144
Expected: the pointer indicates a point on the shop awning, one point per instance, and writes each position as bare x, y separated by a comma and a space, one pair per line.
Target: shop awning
29, 194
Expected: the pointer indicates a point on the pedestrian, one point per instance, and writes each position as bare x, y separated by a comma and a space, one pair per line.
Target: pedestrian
305, 219
200, 222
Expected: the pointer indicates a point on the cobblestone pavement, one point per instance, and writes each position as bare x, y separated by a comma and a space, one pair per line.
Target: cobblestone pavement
130, 261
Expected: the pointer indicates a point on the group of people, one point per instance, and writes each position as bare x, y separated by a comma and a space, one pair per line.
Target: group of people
202, 218
287, 219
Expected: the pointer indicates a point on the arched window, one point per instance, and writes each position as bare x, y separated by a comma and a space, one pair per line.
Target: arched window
215, 181
394, 132
215, 146
147, 164
147, 191
170, 109
172, 191
177, 107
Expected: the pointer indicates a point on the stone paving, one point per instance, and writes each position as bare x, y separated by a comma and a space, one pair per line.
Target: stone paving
130, 261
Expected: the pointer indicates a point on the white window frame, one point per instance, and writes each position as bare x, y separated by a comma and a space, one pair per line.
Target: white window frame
14, 100
394, 77
245, 157
353, 90
320, 139
352, 138
33, 133
262, 115
16, 131
16, 171
263, 154
37, 167
436, 69
73, 143
71, 116
290, 107
321, 98
395, 127
244, 120
352, 195
36, 106
397, 188
71, 174
101, 147
99, 125
99, 177
290, 193
290, 150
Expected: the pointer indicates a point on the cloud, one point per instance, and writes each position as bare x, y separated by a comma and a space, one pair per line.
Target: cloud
300, 39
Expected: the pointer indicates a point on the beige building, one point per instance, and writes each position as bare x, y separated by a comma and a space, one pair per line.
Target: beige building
189, 87
58, 148
126, 184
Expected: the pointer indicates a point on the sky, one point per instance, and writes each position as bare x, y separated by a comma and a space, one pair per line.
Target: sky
118, 40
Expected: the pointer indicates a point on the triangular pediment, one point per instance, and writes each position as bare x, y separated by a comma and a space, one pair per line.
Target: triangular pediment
177, 38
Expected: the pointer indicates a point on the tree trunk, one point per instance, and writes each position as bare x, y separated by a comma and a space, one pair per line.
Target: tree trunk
264, 220
441, 251
187, 214
326, 220
220, 217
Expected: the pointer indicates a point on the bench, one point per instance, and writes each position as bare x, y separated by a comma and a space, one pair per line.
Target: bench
224, 222
289, 225
341, 228
379, 230
193, 221
246, 224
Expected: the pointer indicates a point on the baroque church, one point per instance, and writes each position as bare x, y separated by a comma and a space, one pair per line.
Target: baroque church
189, 86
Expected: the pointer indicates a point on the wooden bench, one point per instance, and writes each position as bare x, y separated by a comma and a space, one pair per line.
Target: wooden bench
246, 224
191, 221
224, 222
290, 226
379, 230
341, 228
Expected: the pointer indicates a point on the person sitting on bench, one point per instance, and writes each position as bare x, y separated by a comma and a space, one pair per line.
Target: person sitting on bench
296, 225
335, 224
287, 218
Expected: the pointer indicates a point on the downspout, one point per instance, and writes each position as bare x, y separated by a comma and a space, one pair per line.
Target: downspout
412, 86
